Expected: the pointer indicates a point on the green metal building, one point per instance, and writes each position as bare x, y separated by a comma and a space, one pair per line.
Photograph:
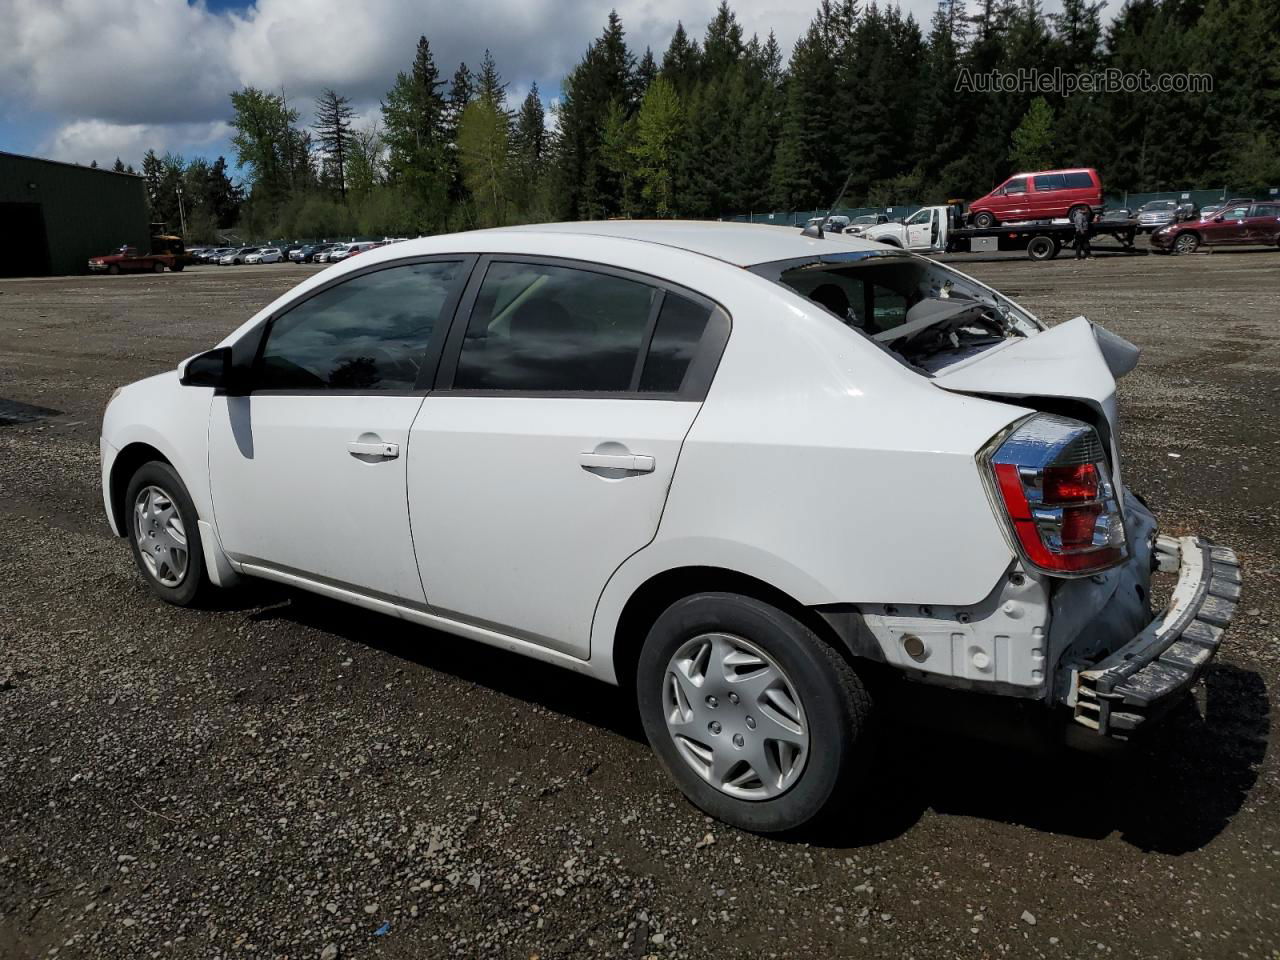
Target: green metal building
55, 216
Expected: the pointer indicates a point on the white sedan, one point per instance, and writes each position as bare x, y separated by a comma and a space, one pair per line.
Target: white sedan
745, 473
265, 255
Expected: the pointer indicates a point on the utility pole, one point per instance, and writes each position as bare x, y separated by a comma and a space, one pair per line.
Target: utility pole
182, 216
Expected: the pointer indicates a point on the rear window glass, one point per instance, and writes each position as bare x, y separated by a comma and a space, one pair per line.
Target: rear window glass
870, 298
1074, 181
1050, 181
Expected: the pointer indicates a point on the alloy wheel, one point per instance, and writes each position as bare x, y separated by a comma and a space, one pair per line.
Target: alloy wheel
1186, 243
160, 535
735, 716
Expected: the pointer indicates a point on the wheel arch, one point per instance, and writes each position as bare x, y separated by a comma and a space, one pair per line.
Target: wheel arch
126, 463
844, 632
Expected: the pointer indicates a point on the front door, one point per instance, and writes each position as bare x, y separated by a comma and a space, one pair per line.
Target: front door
919, 230
1228, 226
308, 469
545, 460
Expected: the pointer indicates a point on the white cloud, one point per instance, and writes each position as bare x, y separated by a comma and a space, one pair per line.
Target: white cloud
84, 140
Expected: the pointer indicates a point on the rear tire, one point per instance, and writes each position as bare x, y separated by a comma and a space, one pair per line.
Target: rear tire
984, 219
727, 684
161, 524
157, 267
1042, 248
1072, 212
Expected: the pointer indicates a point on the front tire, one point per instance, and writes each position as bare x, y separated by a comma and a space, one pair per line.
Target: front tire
1186, 243
984, 220
164, 534
759, 722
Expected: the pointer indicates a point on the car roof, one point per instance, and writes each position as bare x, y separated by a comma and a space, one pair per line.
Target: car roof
741, 244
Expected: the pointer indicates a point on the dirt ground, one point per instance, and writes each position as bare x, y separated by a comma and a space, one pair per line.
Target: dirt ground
285, 777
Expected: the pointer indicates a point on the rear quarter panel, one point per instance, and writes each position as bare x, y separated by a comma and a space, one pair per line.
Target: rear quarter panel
825, 468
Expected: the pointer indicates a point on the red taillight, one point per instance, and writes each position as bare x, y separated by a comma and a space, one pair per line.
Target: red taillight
1056, 488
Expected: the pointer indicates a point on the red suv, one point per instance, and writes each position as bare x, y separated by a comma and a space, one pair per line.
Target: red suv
1039, 196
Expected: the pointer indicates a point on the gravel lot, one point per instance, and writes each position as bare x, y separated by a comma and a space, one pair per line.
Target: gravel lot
285, 777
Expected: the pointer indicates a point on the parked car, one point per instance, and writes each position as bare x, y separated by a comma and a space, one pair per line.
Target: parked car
691, 498
1039, 196
265, 255
308, 252
1116, 215
167, 253
236, 257
343, 250
1209, 211
1244, 223
1155, 214
860, 223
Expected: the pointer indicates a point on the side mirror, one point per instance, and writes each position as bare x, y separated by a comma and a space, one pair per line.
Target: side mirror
1219, 218
211, 369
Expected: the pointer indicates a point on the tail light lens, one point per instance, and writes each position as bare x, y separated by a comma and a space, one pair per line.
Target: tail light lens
1052, 478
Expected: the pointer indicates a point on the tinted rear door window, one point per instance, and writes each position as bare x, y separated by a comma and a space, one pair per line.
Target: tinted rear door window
1077, 181
681, 323
542, 328
1050, 181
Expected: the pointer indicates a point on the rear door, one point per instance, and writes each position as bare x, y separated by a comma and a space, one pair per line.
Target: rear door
1263, 225
543, 458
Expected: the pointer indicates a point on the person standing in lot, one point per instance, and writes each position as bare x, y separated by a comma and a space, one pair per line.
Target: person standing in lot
1081, 217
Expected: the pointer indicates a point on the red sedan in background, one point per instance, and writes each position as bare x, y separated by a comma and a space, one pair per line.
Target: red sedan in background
1240, 223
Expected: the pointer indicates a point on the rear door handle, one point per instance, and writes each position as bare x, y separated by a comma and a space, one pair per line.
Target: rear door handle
359, 448
636, 463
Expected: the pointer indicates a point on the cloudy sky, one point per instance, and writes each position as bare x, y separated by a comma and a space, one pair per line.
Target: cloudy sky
84, 80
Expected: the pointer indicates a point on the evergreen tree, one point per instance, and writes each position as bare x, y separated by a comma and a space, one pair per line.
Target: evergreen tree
646, 72
483, 152
333, 124
801, 177
657, 139
681, 64
416, 132
528, 149
1032, 142
118, 166
490, 85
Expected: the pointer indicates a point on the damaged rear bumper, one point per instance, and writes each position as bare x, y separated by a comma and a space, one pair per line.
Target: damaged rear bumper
1117, 694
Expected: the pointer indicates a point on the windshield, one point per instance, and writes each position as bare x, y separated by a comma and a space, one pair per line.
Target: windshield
1158, 205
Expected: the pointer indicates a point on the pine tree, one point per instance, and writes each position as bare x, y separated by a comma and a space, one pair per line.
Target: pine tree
118, 166
416, 131
483, 152
681, 64
800, 170
1032, 142
333, 124
646, 72
655, 151
490, 85
528, 148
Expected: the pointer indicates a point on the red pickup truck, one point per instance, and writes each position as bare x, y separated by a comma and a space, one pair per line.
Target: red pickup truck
169, 252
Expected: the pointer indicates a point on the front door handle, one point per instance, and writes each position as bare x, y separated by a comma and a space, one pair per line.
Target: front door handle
635, 463
360, 448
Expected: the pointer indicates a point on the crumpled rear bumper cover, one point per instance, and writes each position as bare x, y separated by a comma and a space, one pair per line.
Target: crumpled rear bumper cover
1117, 694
